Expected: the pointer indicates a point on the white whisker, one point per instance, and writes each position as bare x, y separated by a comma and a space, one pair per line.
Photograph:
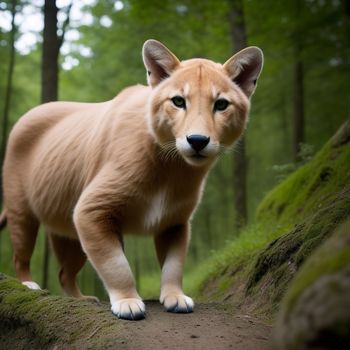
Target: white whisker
168, 151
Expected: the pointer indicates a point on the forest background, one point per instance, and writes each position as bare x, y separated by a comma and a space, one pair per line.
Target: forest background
302, 96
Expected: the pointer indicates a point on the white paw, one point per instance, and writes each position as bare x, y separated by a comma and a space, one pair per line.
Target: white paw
31, 285
129, 309
178, 303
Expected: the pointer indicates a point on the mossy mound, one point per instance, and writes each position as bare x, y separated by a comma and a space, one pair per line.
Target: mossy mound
37, 320
279, 261
315, 313
300, 195
292, 221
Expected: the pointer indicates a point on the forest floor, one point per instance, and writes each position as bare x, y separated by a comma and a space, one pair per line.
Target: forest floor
210, 326
35, 319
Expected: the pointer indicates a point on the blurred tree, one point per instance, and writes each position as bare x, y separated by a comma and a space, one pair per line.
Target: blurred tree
298, 87
239, 42
8, 93
49, 84
51, 47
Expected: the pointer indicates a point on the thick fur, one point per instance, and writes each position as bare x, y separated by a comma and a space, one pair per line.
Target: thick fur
93, 172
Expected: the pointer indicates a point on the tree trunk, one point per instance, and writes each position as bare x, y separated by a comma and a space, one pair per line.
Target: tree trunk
49, 85
137, 265
237, 25
240, 164
46, 262
346, 5
298, 108
240, 168
298, 87
8, 93
51, 46
208, 229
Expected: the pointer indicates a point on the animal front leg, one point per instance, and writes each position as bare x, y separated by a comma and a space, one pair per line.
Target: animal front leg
119, 281
103, 246
171, 247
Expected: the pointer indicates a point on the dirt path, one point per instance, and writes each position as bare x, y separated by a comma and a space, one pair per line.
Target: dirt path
34, 319
209, 327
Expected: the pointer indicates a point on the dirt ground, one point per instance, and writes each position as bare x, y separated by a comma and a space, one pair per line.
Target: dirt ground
209, 327
34, 319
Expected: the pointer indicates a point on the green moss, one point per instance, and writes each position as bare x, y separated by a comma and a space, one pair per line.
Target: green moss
292, 221
298, 195
9, 283
46, 321
275, 254
281, 259
224, 284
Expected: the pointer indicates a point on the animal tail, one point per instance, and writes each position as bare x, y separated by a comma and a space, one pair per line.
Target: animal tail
3, 219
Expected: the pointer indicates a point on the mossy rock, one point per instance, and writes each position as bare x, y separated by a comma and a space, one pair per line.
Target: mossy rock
315, 313
285, 255
33, 319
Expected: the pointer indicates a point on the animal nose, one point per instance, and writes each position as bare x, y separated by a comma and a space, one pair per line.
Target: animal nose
198, 142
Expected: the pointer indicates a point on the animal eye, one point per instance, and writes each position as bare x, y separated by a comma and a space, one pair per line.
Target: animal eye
221, 104
179, 102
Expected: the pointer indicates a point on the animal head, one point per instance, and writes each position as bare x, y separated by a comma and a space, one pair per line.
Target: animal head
199, 107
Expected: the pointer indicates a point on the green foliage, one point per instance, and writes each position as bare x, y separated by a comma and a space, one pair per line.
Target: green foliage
305, 155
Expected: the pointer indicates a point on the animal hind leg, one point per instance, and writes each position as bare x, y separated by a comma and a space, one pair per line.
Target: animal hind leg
71, 259
23, 227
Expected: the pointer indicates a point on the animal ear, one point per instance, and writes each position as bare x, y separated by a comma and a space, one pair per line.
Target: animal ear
244, 68
159, 61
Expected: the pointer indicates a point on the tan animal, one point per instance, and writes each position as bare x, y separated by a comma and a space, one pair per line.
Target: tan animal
92, 172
